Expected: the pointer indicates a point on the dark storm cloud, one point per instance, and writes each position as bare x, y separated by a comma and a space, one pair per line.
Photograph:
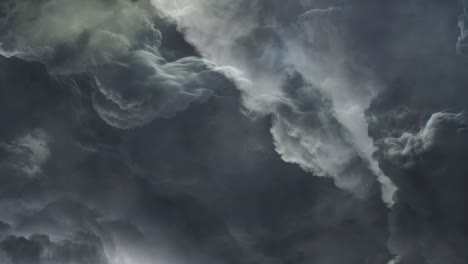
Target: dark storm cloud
84, 248
419, 125
317, 43
85, 34
90, 174
61, 232
307, 133
136, 90
420, 74
108, 39
222, 206
427, 222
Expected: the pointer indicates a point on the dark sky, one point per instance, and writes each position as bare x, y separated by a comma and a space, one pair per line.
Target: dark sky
233, 132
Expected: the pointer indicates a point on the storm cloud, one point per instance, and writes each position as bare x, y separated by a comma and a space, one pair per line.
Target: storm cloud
327, 140
233, 131
105, 39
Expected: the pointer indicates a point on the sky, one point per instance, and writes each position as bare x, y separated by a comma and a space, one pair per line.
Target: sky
233, 132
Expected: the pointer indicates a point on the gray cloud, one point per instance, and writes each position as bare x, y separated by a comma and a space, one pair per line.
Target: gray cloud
462, 24
134, 91
408, 147
86, 34
122, 143
83, 248
108, 39
422, 164
61, 232
27, 153
418, 125
315, 48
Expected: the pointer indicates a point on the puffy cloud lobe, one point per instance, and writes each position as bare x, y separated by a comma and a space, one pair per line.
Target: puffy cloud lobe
143, 86
408, 147
308, 134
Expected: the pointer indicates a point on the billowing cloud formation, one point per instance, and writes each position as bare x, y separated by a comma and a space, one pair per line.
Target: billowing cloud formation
328, 139
406, 148
428, 169
140, 88
116, 41
340, 70
419, 126
85, 34
100, 164
307, 133
205, 186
